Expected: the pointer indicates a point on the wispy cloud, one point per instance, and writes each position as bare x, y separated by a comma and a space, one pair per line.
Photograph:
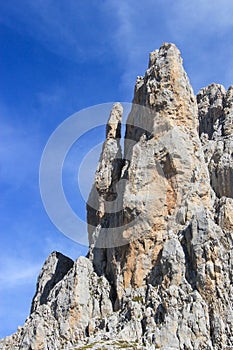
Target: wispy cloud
204, 31
63, 245
19, 153
134, 37
211, 17
17, 271
130, 30
73, 29
201, 29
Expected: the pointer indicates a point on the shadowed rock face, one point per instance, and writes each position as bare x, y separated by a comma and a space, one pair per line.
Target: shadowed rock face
160, 221
216, 132
55, 268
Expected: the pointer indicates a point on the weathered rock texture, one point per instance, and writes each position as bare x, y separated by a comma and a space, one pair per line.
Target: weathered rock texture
216, 132
160, 219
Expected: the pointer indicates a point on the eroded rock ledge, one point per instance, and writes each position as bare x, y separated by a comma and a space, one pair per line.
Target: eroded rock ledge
165, 281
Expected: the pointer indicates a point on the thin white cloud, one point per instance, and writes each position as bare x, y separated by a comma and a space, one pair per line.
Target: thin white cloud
64, 246
70, 29
19, 148
131, 30
214, 16
204, 30
15, 272
199, 28
46, 99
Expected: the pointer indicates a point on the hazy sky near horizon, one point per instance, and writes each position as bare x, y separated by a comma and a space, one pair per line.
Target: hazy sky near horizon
57, 58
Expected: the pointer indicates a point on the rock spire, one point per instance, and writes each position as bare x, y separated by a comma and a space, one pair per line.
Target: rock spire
158, 274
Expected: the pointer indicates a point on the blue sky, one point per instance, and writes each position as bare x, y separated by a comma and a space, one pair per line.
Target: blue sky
60, 57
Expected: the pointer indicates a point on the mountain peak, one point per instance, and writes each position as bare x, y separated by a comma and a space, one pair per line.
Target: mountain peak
159, 269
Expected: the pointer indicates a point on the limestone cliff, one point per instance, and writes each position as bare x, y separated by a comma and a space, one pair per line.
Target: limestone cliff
158, 274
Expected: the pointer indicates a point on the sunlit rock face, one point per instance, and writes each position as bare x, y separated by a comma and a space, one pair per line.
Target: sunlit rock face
165, 177
158, 274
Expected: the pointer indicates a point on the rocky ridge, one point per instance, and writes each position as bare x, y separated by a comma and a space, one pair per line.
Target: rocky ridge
158, 274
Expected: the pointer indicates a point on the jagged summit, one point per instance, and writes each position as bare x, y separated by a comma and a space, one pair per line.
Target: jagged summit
166, 89
160, 221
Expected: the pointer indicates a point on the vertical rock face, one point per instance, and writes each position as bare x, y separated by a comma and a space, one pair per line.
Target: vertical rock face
165, 181
101, 206
216, 132
166, 89
160, 223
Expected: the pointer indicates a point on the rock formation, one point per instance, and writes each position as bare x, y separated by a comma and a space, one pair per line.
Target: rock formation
158, 274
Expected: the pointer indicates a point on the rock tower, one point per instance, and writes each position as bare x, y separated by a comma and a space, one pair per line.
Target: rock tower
159, 271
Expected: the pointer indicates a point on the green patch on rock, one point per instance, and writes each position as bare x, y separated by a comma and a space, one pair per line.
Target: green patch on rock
138, 299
